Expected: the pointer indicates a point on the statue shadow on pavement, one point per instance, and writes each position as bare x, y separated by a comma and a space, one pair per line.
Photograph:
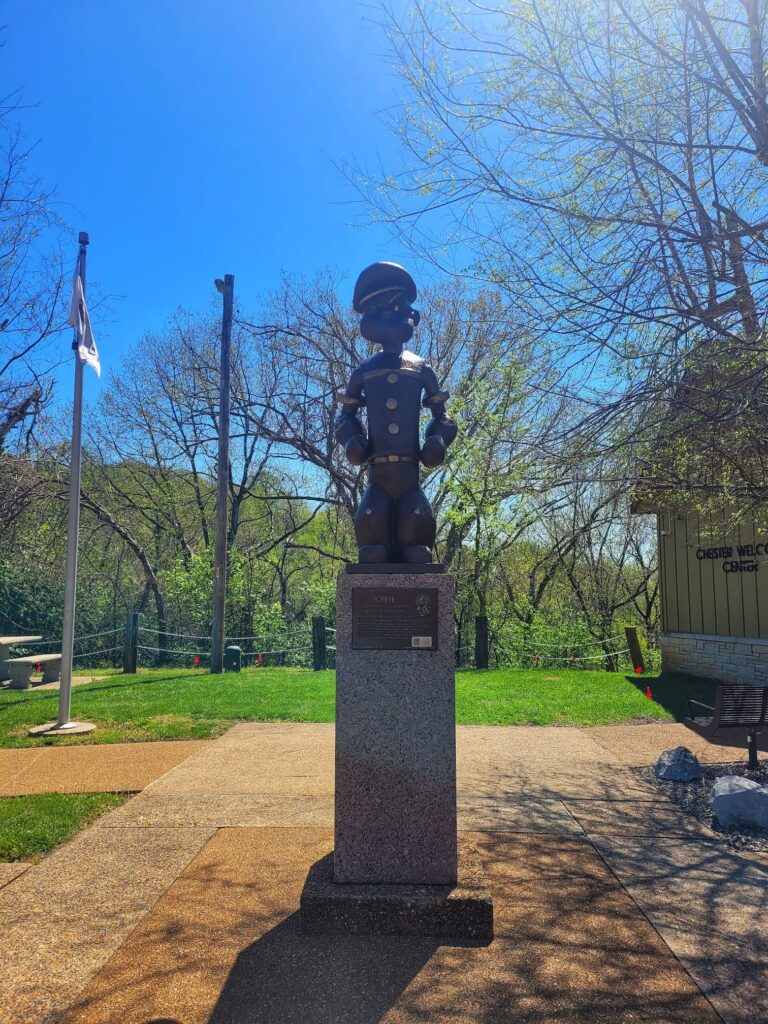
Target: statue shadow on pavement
286, 976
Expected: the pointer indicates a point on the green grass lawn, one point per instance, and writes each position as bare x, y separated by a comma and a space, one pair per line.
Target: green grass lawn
566, 697
166, 704
33, 825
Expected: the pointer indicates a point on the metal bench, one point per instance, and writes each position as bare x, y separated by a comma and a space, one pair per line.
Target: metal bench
736, 707
21, 669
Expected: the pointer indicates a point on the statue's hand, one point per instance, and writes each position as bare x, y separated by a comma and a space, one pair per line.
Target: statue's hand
357, 450
442, 426
434, 451
441, 430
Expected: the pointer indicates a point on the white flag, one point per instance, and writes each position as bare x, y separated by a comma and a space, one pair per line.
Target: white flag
79, 319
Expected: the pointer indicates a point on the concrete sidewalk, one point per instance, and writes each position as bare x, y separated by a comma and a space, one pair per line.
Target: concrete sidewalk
641, 745
181, 904
94, 768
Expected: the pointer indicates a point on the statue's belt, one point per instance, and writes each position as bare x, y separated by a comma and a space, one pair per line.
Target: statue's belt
393, 458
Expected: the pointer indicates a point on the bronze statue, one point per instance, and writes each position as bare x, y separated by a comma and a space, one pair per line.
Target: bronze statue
395, 522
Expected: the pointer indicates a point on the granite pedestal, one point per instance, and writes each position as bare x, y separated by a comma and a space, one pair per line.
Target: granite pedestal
395, 865
462, 912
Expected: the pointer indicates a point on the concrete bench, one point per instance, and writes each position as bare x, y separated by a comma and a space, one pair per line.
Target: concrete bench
6, 643
21, 669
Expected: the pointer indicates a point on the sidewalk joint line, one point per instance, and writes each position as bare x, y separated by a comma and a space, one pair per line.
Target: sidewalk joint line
656, 930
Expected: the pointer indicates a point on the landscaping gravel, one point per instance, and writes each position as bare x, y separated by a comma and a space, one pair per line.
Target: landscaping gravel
693, 798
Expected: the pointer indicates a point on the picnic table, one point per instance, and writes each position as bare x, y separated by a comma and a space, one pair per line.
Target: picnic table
6, 643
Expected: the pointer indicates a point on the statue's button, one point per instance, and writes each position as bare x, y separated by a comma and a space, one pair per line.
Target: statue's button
392, 378
391, 403
393, 428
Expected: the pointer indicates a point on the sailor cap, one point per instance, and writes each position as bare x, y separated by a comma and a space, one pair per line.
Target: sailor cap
380, 279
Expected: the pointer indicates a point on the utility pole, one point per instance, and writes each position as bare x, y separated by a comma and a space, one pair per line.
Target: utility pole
227, 289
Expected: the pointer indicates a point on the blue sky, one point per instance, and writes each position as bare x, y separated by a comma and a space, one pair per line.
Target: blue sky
196, 139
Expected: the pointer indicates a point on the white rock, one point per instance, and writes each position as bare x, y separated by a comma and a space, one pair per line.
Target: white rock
738, 801
678, 765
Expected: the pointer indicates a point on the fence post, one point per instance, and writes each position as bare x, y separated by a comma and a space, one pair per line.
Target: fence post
634, 649
481, 641
319, 652
131, 650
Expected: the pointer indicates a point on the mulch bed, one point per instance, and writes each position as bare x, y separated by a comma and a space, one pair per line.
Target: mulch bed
693, 798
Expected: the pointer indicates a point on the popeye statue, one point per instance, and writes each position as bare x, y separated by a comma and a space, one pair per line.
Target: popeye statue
394, 522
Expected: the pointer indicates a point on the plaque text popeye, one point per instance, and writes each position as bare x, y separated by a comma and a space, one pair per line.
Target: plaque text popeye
385, 619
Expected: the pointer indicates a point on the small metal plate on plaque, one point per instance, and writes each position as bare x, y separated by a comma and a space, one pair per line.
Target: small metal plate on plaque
394, 619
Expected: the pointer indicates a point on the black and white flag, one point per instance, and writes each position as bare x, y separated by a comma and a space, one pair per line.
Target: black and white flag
79, 319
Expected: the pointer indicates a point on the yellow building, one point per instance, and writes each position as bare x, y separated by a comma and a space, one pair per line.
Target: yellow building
714, 597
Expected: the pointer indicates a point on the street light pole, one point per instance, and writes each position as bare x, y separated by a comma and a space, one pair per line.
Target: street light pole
227, 288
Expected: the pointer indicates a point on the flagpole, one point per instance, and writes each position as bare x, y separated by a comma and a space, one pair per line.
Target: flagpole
63, 725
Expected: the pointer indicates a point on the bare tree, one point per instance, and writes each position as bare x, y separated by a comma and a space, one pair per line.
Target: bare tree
31, 300
605, 164
32, 311
152, 456
309, 343
608, 557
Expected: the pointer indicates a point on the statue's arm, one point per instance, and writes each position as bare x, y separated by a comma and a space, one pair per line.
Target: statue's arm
441, 429
349, 429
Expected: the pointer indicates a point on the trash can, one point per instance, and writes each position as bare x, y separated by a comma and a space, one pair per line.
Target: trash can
233, 658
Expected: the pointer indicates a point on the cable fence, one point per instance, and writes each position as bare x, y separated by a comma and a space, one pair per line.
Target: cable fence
312, 645
289, 648
531, 656
532, 649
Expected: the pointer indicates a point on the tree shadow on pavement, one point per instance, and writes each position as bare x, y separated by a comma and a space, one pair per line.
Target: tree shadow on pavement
225, 946
572, 949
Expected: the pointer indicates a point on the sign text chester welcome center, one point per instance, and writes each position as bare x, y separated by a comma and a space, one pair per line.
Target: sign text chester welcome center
746, 560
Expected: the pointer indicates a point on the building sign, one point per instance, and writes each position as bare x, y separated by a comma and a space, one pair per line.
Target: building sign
736, 558
714, 577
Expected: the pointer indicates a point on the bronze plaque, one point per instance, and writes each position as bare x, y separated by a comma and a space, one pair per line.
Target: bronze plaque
389, 619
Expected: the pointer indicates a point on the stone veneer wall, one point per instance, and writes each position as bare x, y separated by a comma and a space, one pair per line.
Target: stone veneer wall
730, 659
